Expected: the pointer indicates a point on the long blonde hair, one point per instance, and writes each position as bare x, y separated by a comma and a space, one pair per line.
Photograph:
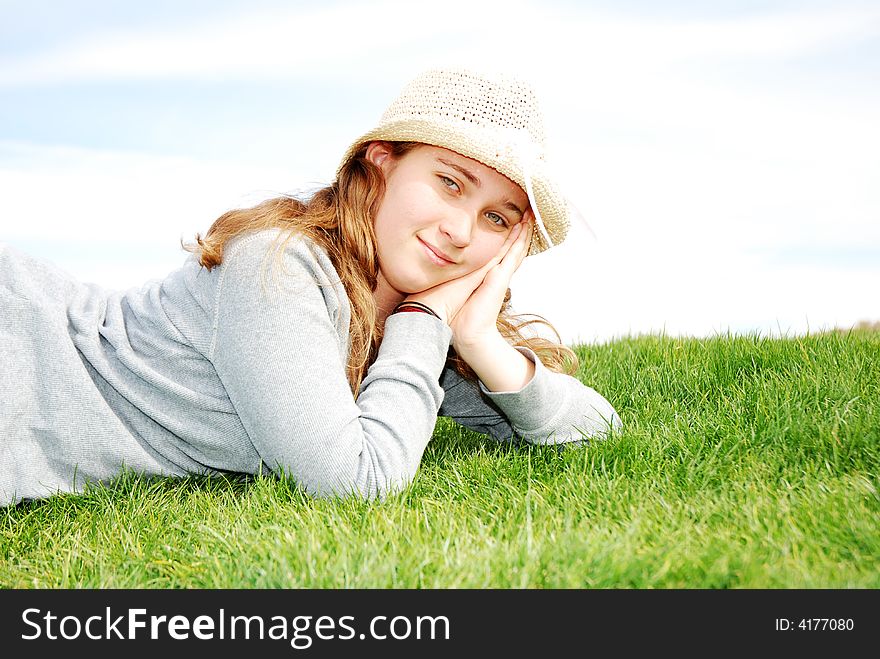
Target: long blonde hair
339, 218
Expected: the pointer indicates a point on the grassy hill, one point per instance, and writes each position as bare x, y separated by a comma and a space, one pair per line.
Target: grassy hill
744, 462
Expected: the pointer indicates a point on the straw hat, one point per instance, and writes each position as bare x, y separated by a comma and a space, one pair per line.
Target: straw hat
494, 119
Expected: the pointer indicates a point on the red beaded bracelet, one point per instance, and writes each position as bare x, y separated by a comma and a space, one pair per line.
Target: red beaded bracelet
412, 305
416, 309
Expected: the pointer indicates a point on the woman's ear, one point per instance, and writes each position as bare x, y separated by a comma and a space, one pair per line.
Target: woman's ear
379, 153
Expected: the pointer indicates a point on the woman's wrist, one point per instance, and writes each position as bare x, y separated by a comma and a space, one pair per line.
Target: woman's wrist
411, 305
416, 307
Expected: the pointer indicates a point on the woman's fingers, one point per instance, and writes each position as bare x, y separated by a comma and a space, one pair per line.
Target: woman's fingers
509, 243
517, 251
497, 279
524, 243
487, 282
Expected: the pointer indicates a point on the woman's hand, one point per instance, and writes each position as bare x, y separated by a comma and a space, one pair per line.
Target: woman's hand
470, 304
475, 322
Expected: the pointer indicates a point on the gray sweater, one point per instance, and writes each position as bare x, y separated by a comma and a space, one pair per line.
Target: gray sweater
238, 369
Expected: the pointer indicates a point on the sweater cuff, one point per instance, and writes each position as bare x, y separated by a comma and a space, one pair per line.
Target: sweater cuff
417, 335
537, 403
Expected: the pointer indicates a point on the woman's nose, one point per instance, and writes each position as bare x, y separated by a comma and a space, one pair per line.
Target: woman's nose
457, 226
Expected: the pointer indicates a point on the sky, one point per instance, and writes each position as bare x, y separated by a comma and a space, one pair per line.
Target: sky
724, 156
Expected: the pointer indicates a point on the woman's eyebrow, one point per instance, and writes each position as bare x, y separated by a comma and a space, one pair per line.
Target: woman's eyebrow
469, 175
509, 205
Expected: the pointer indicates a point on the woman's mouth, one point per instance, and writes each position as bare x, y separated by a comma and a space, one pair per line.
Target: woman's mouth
434, 255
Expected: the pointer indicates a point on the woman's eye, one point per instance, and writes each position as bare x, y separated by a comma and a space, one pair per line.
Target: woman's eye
496, 219
448, 182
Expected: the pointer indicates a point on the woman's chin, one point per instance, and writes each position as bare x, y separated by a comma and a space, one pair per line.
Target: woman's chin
414, 285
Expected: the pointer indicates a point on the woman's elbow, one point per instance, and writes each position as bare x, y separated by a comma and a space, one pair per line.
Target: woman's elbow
596, 422
602, 421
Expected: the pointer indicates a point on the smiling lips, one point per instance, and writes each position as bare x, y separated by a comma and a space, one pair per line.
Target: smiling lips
435, 255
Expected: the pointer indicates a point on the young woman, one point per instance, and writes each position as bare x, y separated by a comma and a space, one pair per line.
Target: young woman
317, 339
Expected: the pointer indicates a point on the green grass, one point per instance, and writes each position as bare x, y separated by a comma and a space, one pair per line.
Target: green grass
745, 462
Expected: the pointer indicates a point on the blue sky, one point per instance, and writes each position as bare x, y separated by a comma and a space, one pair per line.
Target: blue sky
724, 154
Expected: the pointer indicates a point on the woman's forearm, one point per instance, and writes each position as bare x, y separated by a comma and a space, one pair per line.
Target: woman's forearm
499, 365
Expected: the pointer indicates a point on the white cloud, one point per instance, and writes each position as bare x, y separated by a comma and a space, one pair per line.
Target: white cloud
341, 39
110, 195
280, 45
117, 218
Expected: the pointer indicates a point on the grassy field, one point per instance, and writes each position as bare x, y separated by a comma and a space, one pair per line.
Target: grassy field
745, 462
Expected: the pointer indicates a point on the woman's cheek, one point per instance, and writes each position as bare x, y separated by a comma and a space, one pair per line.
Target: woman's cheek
489, 250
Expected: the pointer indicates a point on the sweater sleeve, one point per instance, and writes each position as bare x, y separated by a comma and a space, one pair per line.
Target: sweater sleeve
281, 357
553, 408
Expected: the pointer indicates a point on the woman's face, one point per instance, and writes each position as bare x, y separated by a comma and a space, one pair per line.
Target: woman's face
442, 216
